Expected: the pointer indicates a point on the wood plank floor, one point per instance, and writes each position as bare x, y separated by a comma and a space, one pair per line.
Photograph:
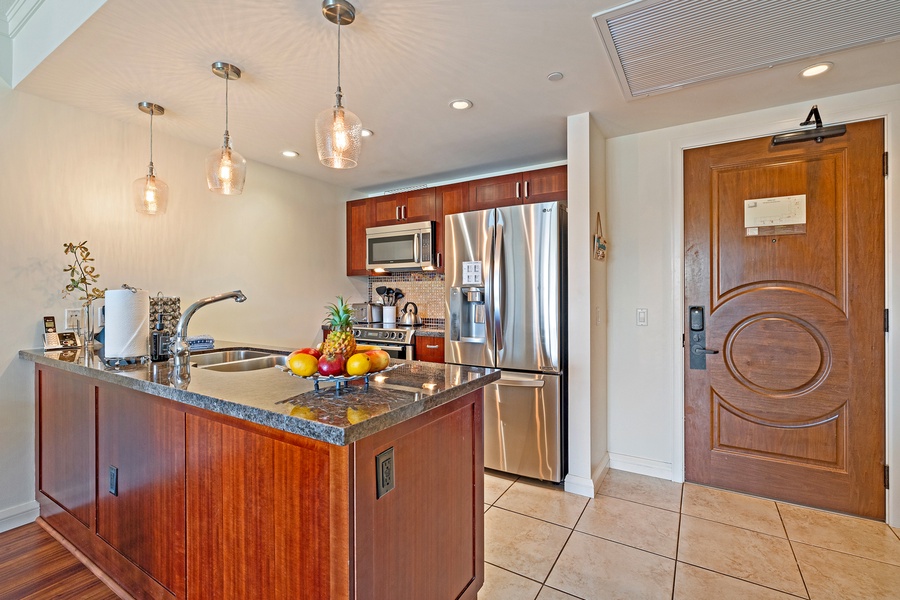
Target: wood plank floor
35, 566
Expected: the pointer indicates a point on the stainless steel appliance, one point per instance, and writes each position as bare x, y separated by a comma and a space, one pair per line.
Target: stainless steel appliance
396, 341
505, 281
404, 247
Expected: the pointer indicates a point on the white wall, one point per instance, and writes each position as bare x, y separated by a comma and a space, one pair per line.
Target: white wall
587, 429
645, 204
65, 175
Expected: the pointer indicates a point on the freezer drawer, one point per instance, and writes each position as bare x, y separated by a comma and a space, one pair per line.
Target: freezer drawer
522, 425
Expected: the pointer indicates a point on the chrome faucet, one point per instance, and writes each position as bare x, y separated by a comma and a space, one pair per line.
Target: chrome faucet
179, 348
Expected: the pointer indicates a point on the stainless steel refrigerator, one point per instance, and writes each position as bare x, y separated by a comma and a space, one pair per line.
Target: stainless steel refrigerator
505, 283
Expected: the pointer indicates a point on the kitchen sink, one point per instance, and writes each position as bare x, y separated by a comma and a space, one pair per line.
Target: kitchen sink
225, 356
237, 360
249, 364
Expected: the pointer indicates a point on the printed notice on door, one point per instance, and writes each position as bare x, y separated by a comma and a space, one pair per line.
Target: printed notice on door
784, 215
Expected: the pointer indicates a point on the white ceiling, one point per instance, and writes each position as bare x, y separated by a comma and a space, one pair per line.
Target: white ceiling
402, 62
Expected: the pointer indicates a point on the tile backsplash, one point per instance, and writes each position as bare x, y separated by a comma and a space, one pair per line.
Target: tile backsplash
425, 289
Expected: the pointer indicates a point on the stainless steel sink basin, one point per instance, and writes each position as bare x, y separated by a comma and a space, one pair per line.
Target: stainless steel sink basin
250, 364
225, 356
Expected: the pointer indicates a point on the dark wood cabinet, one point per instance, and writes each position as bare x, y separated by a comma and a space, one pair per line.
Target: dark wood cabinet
65, 442
540, 185
140, 478
546, 185
357, 221
404, 207
430, 349
449, 199
495, 192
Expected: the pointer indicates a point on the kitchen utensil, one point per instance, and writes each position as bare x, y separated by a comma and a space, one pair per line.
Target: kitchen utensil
397, 295
390, 297
410, 315
380, 290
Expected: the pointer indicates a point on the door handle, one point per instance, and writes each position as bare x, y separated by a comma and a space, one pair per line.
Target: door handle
499, 309
698, 350
536, 383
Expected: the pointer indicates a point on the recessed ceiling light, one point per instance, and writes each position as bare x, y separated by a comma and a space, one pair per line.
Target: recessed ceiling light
367, 133
461, 104
290, 154
816, 69
555, 76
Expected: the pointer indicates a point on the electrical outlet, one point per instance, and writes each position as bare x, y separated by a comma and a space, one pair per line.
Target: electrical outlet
73, 315
384, 472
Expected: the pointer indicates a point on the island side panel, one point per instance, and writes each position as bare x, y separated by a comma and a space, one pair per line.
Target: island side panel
65, 442
260, 514
424, 538
142, 516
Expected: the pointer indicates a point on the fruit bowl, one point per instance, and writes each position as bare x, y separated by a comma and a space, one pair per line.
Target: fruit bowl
340, 380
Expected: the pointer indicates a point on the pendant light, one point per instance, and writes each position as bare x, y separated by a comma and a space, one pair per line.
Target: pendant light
150, 193
338, 131
225, 168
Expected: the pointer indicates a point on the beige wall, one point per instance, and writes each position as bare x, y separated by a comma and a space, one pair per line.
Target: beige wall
65, 175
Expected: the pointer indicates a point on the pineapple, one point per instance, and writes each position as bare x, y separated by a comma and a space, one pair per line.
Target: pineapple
340, 340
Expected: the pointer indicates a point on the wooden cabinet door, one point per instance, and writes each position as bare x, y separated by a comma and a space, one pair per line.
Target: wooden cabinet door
430, 349
144, 520
357, 221
385, 210
267, 518
65, 431
404, 546
418, 206
546, 185
449, 200
494, 192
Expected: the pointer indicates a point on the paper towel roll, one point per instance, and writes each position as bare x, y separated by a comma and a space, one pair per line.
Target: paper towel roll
127, 323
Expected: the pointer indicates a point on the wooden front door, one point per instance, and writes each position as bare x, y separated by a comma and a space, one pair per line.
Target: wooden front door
792, 405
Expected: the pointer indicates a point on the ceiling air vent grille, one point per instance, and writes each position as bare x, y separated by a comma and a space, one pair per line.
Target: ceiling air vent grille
660, 45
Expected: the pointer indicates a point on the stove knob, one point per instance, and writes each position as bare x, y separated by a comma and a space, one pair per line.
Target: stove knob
356, 333
398, 335
386, 334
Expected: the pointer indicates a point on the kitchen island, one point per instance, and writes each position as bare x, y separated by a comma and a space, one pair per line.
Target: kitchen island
255, 485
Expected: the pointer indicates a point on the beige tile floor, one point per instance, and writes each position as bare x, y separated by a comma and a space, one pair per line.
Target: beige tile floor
643, 537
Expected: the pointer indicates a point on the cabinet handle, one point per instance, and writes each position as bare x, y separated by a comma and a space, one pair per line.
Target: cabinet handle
440, 260
517, 189
526, 189
403, 212
430, 347
396, 213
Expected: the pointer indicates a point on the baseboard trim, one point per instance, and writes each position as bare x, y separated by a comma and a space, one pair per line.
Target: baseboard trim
641, 466
87, 562
584, 486
16, 516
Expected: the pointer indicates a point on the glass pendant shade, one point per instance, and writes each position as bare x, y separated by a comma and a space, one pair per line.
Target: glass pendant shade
151, 194
338, 138
226, 170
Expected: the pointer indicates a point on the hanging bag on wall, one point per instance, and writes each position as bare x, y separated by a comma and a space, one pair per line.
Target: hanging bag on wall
599, 241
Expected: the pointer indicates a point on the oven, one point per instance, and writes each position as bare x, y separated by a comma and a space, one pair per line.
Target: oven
398, 342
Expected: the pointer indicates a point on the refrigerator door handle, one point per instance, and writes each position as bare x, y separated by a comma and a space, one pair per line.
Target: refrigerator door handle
498, 292
532, 383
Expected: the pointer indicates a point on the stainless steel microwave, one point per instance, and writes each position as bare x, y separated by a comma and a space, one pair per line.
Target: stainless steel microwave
404, 247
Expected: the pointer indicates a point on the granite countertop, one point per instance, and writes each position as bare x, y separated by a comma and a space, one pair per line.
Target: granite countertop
277, 399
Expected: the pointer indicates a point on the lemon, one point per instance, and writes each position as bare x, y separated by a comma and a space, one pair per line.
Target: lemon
358, 364
303, 365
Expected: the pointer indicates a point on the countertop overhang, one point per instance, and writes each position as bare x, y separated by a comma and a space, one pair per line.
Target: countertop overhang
274, 398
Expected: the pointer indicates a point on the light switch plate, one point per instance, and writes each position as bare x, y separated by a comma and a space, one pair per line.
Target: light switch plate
642, 317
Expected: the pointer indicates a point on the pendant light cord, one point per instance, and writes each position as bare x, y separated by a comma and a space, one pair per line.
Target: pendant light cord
338, 93
227, 77
152, 110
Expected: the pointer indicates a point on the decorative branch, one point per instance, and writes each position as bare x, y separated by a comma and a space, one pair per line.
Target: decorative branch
82, 275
